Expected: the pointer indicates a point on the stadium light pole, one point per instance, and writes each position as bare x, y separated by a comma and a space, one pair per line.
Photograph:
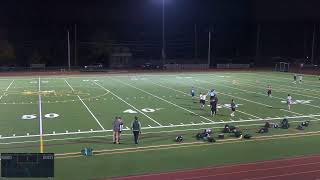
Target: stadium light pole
163, 52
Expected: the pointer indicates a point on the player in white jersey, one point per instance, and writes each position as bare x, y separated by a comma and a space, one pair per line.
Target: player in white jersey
289, 101
300, 78
202, 100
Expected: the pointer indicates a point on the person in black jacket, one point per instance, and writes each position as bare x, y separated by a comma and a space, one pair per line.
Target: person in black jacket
136, 129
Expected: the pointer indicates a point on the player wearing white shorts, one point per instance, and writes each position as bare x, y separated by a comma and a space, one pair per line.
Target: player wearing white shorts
289, 101
202, 100
300, 78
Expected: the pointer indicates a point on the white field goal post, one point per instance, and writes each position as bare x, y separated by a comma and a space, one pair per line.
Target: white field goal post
282, 67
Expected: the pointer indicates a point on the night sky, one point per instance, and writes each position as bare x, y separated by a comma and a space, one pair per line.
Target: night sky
31, 24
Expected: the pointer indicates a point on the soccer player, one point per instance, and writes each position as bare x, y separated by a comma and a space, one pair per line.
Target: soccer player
212, 93
269, 89
300, 78
295, 78
289, 101
213, 105
202, 100
233, 107
192, 92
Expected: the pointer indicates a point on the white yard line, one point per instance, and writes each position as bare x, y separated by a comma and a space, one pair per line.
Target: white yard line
9, 85
248, 84
165, 100
169, 126
127, 103
94, 117
297, 113
190, 95
40, 107
7, 89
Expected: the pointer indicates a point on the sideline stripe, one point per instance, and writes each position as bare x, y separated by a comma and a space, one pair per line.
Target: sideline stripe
40, 117
160, 127
127, 103
94, 117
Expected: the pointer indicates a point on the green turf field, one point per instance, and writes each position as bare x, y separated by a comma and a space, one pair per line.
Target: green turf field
77, 111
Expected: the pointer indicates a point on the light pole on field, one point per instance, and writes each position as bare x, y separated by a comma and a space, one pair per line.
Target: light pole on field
163, 51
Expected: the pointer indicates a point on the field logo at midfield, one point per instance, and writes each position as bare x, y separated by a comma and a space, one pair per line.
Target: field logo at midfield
147, 110
299, 102
34, 116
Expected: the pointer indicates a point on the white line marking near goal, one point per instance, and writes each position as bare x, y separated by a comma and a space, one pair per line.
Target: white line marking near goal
128, 103
94, 117
149, 125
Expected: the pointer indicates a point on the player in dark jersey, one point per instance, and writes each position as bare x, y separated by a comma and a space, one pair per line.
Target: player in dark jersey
233, 107
192, 92
294, 78
213, 105
269, 89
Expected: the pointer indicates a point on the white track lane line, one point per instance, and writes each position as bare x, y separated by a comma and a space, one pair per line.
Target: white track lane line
94, 117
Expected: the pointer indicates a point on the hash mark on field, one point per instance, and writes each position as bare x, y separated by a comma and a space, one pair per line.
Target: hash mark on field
222, 120
181, 123
171, 124
149, 125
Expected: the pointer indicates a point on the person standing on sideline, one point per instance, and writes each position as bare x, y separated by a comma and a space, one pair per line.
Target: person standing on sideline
116, 130
233, 107
136, 129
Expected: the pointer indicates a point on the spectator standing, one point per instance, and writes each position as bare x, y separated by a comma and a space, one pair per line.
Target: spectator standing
116, 130
136, 129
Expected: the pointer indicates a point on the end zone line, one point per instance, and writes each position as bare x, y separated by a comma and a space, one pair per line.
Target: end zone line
127, 84
94, 117
127, 103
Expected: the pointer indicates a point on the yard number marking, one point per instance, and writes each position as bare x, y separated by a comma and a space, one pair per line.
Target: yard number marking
144, 110
34, 116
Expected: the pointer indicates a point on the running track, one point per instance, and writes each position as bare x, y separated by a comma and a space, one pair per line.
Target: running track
298, 168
